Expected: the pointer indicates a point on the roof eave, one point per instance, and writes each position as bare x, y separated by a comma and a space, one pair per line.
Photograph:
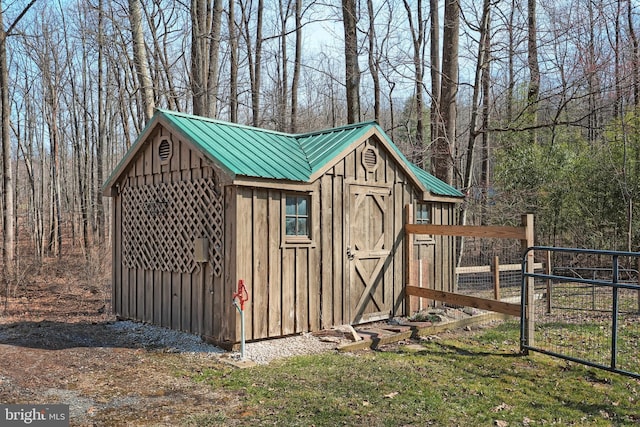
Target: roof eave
108, 188
432, 197
164, 119
159, 118
374, 130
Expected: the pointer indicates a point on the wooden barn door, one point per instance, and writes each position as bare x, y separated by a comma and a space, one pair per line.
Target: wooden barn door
368, 242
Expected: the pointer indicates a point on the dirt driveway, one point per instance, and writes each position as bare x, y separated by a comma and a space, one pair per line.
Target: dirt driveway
59, 344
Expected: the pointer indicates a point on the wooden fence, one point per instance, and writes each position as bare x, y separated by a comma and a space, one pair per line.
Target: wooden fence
523, 233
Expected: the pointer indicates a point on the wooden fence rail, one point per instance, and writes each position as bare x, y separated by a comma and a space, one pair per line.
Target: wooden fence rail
524, 233
465, 300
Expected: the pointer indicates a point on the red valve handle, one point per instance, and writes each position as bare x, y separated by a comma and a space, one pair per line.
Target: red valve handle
242, 294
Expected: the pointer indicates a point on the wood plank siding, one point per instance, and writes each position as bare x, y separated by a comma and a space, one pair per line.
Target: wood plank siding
350, 270
303, 287
182, 300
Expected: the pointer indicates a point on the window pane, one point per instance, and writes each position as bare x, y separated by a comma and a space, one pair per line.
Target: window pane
302, 206
297, 215
291, 205
423, 213
302, 227
291, 226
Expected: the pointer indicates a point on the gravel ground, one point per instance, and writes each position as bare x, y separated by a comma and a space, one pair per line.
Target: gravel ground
260, 352
263, 352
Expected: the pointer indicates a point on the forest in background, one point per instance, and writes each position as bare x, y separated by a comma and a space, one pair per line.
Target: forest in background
526, 106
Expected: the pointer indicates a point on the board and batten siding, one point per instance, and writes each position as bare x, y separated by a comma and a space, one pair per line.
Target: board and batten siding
177, 300
297, 288
436, 254
293, 287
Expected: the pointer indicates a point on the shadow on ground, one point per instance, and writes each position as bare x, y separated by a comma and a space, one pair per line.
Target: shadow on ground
50, 335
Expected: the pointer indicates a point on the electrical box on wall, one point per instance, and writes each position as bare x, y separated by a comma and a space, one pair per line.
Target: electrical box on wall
201, 249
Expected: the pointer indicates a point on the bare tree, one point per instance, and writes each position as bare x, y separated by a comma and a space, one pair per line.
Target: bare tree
479, 110
233, 64
442, 158
374, 64
206, 23
8, 189
295, 82
352, 69
434, 50
534, 67
254, 53
140, 59
102, 130
417, 30
635, 56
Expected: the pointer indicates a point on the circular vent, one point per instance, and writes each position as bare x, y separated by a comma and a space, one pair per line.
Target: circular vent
164, 150
370, 158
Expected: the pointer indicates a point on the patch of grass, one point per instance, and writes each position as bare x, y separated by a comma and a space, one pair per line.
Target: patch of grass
472, 378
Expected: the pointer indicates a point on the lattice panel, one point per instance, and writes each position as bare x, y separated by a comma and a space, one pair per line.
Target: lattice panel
160, 223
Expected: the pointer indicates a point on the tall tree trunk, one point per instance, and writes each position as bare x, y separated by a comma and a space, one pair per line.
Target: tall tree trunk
617, 66
591, 78
77, 136
434, 53
8, 190
102, 130
352, 69
486, 93
140, 59
214, 54
416, 28
295, 82
233, 64
635, 59
534, 68
374, 65
199, 54
255, 64
442, 166
482, 65
511, 54
55, 236
206, 23
8, 187
283, 67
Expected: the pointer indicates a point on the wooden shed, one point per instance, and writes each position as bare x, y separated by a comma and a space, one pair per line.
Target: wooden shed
312, 223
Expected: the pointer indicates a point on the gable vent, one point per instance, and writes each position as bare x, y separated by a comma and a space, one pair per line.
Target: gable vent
164, 150
370, 158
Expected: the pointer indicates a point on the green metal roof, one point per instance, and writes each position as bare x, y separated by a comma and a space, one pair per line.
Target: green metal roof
260, 153
244, 150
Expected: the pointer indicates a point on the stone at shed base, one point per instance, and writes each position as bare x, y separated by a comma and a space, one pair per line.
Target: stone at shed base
246, 363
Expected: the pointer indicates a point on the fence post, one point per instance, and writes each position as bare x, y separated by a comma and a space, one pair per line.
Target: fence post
548, 270
496, 278
528, 241
410, 264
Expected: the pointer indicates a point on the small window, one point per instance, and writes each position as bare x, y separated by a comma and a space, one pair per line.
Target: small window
297, 216
423, 216
423, 213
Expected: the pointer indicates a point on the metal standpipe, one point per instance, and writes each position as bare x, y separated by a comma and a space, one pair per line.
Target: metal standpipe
242, 296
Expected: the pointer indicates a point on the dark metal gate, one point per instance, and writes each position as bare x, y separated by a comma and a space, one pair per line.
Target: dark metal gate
584, 308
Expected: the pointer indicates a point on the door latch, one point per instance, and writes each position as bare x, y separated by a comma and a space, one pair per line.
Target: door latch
350, 254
